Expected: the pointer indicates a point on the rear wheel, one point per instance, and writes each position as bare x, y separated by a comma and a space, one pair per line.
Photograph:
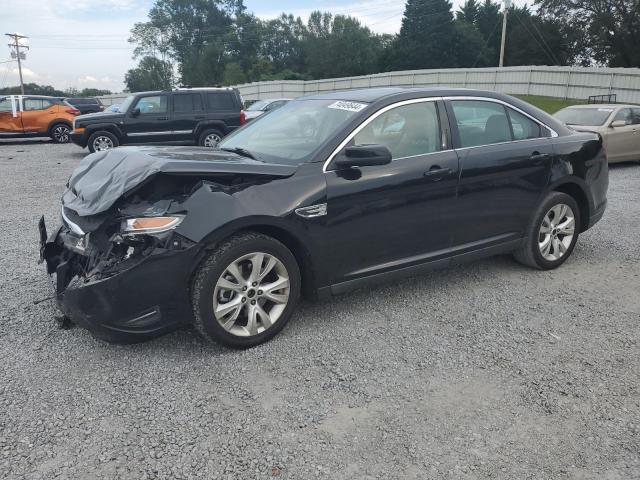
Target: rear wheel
60, 133
103, 140
552, 234
210, 138
245, 292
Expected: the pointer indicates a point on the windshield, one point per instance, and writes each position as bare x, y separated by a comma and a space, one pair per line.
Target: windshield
258, 106
291, 134
584, 116
124, 106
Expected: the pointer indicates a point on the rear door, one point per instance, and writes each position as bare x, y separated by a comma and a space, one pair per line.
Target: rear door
38, 114
505, 160
188, 111
148, 119
10, 116
623, 143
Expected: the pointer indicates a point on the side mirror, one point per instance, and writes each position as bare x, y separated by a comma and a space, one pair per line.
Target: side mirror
618, 123
364, 156
135, 112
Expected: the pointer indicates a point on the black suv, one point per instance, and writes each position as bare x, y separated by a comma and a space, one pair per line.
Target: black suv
194, 115
325, 194
86, 105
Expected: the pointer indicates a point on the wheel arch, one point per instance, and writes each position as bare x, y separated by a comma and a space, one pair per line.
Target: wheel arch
579, 194
291, 240
58, 121
108, 127
210, 124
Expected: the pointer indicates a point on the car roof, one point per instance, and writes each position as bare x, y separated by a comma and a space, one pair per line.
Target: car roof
370, 95
603, 105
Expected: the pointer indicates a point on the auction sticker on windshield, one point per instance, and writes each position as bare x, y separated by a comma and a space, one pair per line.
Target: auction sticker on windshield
350, 106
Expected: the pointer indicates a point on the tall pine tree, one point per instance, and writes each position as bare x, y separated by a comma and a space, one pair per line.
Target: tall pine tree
425, 39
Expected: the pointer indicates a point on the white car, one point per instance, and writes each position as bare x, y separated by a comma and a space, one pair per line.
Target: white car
619, 126
264, 106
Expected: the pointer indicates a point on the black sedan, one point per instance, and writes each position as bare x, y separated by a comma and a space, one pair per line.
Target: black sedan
326, 194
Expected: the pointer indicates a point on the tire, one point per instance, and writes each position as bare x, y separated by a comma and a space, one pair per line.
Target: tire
209, 292
102, 140
208, 136
547, 247
60, 132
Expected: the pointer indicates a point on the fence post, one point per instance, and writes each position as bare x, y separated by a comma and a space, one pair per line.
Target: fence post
566, 92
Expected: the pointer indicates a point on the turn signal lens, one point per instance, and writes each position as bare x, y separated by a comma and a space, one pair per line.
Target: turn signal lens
151, 224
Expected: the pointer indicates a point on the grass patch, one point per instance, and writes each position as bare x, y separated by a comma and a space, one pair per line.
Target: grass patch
548, 104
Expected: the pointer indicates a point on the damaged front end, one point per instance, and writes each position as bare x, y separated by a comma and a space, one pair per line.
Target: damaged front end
122, 278
133, 221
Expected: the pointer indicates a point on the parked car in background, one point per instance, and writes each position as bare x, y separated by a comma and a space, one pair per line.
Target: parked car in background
328, 193
201, 116
36, 116
619, 126
263, 106
114, 108
86, 104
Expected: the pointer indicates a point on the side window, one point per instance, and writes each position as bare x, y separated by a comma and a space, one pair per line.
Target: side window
406, 131
624, 114
187, 103
523, 127
636, 116
480, 122
5, 104
34, 104
220, 101
152, 104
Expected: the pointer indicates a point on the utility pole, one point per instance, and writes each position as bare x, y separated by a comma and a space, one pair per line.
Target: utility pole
18, 54
507, 4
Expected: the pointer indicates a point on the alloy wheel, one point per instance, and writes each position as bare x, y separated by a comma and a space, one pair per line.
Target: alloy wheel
556, 232
212, 140
102, 143
61, 134
251, 294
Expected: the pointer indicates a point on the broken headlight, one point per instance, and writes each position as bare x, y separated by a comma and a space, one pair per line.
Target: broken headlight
150, 225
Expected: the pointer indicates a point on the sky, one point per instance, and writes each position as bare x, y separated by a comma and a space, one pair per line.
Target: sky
83, 43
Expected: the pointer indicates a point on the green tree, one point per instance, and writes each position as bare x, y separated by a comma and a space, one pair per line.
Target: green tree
33, 89
425, 39
149, 75
283, 43
468, 12
610, 28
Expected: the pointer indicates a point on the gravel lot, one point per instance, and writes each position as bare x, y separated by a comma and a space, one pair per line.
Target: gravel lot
490, 370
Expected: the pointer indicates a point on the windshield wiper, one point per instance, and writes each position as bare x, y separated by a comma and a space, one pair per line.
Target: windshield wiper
240, 151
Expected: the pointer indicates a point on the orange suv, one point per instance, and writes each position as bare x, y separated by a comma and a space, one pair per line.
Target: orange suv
24, 116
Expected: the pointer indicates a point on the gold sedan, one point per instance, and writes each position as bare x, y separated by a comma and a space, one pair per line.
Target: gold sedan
619, 126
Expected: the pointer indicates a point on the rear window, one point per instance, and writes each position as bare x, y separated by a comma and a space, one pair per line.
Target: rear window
220, 101
187, 103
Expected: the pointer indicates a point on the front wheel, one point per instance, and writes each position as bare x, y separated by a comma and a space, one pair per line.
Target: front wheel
100, 141
60, 133
552, 234
245, 292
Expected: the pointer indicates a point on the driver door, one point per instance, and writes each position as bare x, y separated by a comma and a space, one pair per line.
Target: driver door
10, 123
148, 119
386, 217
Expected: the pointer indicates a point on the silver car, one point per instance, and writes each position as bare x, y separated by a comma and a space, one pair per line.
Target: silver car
619, 126
264, 106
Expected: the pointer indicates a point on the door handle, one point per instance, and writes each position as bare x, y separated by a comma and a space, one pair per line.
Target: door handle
538, 157
436, 173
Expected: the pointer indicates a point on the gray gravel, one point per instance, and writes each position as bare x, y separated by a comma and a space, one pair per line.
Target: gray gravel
490, 370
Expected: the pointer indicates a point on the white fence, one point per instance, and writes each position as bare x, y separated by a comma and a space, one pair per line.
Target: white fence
562, 82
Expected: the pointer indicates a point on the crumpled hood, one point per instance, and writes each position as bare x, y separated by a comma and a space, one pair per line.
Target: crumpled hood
103, 177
